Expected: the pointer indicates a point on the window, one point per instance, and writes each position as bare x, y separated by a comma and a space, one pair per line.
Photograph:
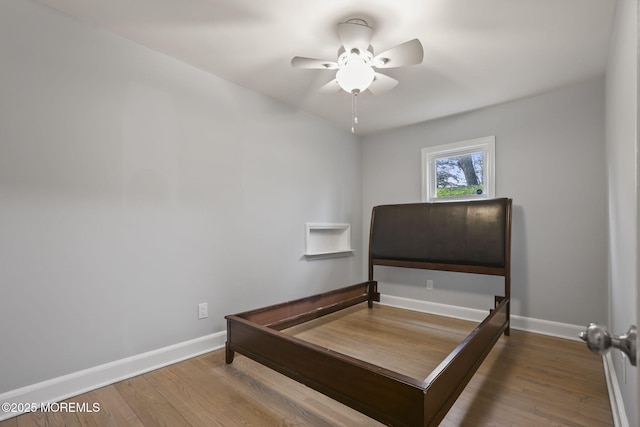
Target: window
459, 171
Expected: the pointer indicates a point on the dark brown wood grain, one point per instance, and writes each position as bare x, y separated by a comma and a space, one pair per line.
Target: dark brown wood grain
287, 314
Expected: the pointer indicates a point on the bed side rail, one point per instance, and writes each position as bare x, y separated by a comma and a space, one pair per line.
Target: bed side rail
291, 313
449, 379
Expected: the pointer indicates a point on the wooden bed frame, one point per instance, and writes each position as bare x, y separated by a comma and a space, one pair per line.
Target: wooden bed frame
469, 237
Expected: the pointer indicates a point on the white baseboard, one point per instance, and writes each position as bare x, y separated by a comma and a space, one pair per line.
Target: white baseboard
547, 327
544, 327
76, 383
615, 395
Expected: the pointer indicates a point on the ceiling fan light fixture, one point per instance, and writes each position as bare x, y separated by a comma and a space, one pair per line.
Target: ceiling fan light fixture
355, 74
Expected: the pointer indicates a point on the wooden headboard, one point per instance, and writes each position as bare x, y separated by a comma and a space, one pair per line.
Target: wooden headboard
471, 237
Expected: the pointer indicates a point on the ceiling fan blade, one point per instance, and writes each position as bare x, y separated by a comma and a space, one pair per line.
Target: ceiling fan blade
356, 34
320, 64
407, 53
329, 88
382, 84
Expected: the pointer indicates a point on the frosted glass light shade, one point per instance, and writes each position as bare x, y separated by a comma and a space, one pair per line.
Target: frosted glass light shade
355, 75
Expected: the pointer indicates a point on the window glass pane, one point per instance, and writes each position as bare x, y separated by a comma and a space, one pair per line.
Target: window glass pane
460, 175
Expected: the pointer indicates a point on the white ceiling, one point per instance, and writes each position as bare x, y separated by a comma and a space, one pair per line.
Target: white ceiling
476, 52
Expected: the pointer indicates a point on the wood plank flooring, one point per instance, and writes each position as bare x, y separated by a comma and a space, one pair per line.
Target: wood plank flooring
527, 380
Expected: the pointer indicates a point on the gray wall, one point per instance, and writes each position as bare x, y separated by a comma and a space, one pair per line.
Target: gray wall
550, 160
622, 172
133, 187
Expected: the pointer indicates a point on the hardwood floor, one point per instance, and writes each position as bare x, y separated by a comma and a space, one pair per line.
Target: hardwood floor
527, 380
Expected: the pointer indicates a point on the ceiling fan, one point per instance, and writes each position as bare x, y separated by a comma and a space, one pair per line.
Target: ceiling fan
356, 62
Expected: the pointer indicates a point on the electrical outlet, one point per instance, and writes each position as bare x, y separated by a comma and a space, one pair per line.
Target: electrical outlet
429, 285
203, 310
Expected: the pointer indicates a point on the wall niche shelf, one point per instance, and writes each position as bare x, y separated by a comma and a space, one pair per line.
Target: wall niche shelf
326, 240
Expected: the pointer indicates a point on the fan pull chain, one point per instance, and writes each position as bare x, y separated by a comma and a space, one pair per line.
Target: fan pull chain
354, 111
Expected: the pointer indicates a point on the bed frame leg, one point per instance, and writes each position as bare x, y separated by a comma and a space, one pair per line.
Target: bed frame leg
374, 295
228, 354
498, 300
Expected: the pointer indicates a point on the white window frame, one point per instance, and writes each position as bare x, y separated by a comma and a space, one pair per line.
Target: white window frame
486, 145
